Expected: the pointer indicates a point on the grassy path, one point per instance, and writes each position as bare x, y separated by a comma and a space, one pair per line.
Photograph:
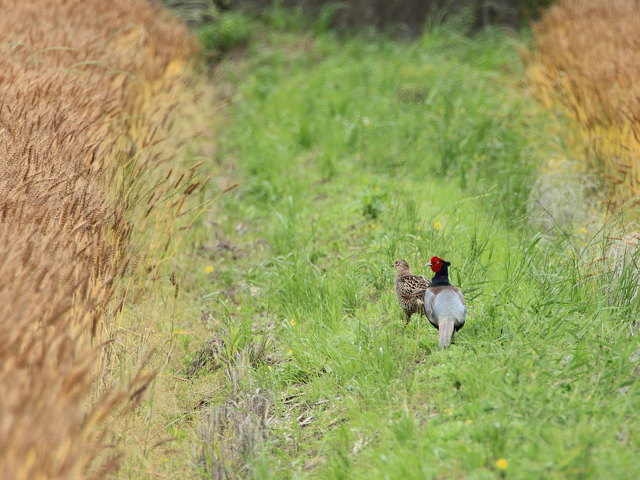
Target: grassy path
351, 154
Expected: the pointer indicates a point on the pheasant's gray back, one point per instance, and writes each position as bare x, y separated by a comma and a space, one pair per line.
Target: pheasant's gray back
447, 304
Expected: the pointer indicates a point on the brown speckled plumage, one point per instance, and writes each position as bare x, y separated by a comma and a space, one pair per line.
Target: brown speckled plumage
410, 289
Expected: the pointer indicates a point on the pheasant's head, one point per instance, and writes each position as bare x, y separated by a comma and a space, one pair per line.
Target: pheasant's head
437, 263
400, 265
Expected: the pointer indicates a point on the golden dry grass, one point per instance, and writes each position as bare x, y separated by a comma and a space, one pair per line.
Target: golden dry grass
76, 138
586, 61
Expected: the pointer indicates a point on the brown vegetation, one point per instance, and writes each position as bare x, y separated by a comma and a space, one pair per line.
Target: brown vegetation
587, 62
73, 77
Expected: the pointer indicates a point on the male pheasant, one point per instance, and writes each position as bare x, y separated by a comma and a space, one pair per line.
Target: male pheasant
410, 289
443, 303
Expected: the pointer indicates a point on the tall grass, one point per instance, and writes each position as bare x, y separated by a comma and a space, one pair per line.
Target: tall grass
74, 136
586, 63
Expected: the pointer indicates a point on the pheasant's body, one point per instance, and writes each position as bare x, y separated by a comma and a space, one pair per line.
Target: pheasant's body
444, 304
410, 290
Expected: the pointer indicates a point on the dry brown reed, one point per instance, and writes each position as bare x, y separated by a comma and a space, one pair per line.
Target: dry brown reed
587, 62
76, 79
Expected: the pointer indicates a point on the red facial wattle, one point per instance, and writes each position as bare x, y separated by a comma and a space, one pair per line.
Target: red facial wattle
436, 264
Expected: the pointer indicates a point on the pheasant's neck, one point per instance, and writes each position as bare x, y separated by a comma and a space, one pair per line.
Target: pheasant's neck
441, 278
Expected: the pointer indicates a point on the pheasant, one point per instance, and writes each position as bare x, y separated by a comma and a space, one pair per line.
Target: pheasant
443, 303
410, 290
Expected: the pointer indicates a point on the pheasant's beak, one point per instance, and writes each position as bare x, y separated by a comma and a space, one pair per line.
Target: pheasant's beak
428, 264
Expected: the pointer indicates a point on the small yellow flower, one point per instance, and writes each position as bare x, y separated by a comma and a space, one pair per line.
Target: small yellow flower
502, 464
208, 269
270, 367
292, 322
289, 352
582, 231
437, 225
183, 332
448, 411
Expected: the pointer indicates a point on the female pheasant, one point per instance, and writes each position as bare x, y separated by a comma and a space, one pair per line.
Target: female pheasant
443, 303
410, 289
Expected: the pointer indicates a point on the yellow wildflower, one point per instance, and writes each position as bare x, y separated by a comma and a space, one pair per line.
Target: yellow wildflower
292, 322
270, 367
502, 464
582, 231
289, 352
437, 225
208, 269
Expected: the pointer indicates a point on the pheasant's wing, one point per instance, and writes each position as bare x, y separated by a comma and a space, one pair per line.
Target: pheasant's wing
460, 296
429, 298
413, 285
460, 322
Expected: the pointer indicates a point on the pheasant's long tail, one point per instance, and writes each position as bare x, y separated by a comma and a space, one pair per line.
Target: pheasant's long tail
445, 329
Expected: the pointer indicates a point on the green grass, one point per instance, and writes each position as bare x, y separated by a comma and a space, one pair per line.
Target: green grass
229, 31
351, 153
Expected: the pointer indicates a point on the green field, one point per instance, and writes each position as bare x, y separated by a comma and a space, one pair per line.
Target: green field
354, 151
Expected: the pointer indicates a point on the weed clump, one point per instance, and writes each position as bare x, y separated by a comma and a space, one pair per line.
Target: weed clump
230, 434
373, 203
225, 32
